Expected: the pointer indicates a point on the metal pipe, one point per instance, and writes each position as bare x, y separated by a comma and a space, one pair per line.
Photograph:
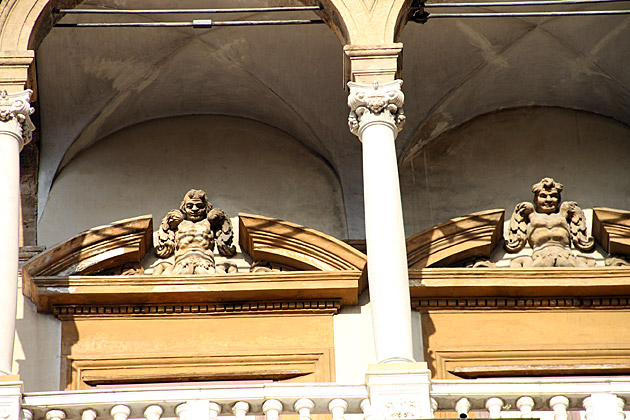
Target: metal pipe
529, 14
519, 3
172, 11
196, 23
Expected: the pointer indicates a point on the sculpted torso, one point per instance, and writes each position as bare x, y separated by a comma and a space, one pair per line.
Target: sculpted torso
544, 229
550, 228
194, 236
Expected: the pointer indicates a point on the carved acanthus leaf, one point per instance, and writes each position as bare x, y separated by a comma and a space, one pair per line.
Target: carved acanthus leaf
15, 111
375, 102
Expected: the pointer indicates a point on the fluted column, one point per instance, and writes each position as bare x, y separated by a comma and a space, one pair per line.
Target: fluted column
376, 117
15, 131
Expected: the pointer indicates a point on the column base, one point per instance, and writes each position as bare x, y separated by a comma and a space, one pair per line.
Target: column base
399, 390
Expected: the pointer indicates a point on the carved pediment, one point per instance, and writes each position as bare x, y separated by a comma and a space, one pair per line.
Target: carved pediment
94, 250
292, 245
460, 239
75, 277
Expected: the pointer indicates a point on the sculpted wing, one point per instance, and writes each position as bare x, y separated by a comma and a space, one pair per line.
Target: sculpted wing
165, 241
516, 236
577, 226
223, 233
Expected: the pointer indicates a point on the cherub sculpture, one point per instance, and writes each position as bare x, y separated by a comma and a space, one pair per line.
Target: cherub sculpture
550, 228
191, 233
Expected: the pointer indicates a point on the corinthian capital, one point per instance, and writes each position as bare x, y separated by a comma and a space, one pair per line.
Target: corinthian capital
15, 111
378, 102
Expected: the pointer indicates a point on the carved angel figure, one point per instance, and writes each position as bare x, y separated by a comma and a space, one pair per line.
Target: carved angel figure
191, 233
549, 228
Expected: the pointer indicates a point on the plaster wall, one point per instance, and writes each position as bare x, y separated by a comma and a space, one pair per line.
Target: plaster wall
354, 341
243, 165
493, 160
37, 349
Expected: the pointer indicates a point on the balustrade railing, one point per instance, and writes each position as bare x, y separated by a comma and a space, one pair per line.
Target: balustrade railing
547, 399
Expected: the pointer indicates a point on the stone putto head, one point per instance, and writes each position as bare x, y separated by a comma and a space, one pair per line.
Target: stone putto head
195, 205
547, 195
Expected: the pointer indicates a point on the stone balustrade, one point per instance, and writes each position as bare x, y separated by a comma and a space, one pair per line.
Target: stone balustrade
547, 399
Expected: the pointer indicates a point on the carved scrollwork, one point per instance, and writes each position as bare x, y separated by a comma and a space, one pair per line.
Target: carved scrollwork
15, 111
375, 102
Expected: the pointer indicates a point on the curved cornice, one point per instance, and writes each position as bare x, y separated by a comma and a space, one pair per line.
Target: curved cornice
611, 228
475, 235
94, 250
295, 246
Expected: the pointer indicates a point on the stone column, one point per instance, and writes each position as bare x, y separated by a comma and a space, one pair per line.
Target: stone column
376, 117
15, 131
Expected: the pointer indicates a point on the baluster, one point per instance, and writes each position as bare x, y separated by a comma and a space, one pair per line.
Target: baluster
240, 410
526, 405
88, 414
27, 414
434, 407
55, 415
181, 411
153, 412
494, 406
366, 407
214, 410
559, 405
462, 407
120, 412
304, 406
604, 406
338, 408
588, 406
272, 409
620, 406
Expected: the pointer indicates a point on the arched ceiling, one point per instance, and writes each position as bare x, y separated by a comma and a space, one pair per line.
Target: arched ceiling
456, 69
92, 82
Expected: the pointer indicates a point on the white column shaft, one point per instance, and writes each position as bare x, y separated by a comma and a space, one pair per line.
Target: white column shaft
385, 237
9, 244
15, 131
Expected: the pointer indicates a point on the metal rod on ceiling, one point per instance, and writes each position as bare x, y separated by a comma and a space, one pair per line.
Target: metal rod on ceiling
170, 11
195, 23
528, 14
520, 3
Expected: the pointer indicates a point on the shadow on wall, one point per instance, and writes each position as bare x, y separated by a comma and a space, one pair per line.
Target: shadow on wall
491, 162
243, 165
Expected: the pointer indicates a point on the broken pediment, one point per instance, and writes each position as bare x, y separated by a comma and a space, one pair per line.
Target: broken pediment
308, 271
460, 239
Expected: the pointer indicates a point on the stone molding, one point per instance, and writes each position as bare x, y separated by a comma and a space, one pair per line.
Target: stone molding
459, 239
66, 312
509, 288
295, 246
90, 370
17, 71
15, 112
375, 103
611, 229
94, 250
367, 63
471, 363
240, 288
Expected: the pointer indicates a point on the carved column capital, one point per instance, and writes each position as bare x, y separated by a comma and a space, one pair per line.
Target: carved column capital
15, 111
376, 102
